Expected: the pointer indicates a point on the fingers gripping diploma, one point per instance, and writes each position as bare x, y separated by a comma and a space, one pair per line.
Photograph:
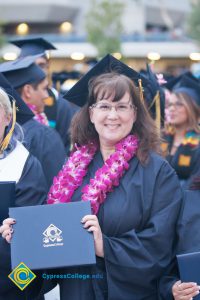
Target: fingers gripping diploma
185, 290
6, 229
91, 223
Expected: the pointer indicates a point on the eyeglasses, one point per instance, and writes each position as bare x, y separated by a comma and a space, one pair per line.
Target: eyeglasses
119, 107
177, 105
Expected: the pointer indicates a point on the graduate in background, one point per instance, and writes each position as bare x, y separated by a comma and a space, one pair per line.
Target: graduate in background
133, 191
42, 141
19, 166
188, 240
58, 110
181, 145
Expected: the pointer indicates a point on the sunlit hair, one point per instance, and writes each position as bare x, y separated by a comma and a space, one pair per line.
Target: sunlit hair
5, 102
113, 86
17, 135
192, 109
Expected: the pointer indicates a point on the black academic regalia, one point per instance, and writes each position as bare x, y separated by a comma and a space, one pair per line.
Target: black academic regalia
60, 114
189, 223
30, 190
138, 222
45, 144
188, 239
186, 160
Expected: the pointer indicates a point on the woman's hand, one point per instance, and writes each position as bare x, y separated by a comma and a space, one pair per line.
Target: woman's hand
91, 222
6, 229
185, 290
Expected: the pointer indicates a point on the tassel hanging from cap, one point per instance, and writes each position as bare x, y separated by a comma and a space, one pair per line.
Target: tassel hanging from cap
158, 109
7, 138
141, 90
156, 101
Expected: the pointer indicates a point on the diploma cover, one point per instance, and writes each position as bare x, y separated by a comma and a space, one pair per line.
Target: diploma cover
189, 268
52, 236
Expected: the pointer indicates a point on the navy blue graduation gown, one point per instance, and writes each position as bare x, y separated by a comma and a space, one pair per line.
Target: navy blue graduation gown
189, 223
30, 190
186, 160
138, 222
46, 145
188, 239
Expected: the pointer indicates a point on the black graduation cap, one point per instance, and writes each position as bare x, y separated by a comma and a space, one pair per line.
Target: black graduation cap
23, 112
154, 96
174, 80
32, 46
189, 86
62, 76
22, 71
78, 94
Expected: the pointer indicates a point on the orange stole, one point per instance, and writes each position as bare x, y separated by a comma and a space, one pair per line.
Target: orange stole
184, 160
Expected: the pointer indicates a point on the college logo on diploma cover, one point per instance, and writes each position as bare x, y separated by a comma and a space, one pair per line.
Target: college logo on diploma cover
52, 237
22, 276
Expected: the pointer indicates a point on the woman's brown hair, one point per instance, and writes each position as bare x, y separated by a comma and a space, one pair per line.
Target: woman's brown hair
114, 86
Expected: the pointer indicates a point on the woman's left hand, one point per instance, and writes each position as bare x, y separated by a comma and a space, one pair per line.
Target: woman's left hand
92, 224
185, 290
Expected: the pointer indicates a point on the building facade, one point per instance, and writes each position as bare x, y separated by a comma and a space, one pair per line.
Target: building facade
156, 26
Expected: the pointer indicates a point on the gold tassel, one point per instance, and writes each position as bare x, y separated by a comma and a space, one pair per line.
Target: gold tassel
158, 112
7, 138
141, 90
156, 101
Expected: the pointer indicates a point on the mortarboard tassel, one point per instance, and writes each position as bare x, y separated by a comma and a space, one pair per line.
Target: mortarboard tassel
7, 138
156, 101
141, 90
158, 113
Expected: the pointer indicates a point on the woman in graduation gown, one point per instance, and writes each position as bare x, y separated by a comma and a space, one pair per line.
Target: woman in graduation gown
16, 164
181, 145
133, 241
134, 193
188, 239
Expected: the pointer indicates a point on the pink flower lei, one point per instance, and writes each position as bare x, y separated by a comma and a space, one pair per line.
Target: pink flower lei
72, 173
39, 117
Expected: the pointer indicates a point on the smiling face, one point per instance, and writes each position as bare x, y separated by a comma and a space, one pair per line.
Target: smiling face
113, 123
177, 111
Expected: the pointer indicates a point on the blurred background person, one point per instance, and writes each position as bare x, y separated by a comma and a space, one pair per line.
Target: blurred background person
58, 110
19, 166
188, 240
42, 141
181, 139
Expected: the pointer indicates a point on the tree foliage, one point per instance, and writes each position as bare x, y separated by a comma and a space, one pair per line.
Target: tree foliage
104, 26
194, 20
